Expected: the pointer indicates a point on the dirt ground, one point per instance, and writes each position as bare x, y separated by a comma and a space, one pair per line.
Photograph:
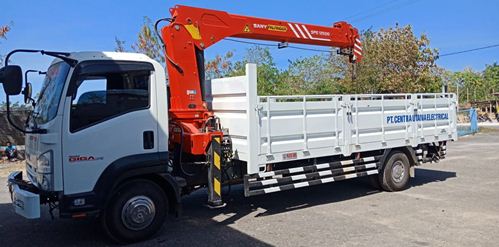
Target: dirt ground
452, 203
7, 167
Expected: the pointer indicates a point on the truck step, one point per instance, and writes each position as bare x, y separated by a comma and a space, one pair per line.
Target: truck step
292, 178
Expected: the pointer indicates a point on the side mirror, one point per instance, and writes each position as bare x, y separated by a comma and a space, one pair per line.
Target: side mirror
11, 76
28, 90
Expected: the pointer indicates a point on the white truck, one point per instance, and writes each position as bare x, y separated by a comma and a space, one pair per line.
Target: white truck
105, 138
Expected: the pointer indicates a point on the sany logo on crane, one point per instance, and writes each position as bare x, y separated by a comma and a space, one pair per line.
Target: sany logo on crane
271, 27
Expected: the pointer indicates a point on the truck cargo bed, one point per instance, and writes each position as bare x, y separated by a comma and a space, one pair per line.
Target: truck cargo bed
270, 129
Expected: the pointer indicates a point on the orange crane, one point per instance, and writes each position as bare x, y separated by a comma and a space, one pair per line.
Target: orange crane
192, 30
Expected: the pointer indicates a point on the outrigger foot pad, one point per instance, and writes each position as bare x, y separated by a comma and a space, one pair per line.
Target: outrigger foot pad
216, 205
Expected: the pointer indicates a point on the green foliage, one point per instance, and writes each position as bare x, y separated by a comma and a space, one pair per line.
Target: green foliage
472, 85
395, 61
491, 77
269, 76
311, 75
147, 42
220, 66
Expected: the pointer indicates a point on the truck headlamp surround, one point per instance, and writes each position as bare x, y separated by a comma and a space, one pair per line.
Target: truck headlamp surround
45, 170
45, 163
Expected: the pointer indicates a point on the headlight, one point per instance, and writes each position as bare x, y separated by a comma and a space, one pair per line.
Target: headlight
45, 163
44, 171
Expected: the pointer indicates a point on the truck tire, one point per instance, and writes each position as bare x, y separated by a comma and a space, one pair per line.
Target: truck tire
136, 211
395, 174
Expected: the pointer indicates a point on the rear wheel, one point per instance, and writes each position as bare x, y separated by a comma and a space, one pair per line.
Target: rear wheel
136, 211
395, 173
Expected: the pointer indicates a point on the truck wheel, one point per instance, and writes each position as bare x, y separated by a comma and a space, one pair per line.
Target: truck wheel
136, 211
395, 174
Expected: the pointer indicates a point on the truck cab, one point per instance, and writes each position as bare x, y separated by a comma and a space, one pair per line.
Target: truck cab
104, 120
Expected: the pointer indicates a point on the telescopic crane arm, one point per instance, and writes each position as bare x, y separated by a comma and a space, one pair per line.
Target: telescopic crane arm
192, 30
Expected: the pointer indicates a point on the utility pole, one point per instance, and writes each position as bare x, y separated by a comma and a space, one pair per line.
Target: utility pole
457, 90
445, 87
467, 94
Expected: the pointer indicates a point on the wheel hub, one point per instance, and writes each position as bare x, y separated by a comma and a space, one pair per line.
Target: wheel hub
138, 213
398, 171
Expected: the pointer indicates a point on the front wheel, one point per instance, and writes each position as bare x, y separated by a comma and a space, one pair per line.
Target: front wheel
136, 211
395, 174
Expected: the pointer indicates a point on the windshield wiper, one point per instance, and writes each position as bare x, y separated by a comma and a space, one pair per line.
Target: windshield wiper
64, 56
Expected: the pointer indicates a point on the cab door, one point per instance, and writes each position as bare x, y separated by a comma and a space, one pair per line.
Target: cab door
110, 114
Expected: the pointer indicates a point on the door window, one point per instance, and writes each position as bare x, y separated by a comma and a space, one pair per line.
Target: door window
99, 97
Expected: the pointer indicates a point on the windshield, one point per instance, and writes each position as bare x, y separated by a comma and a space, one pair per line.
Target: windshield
50, 95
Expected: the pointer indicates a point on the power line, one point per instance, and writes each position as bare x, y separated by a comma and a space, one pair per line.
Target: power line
384, 10
368, 10
469, 50
332, 51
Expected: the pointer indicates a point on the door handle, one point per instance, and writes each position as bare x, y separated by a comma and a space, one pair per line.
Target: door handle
148, 138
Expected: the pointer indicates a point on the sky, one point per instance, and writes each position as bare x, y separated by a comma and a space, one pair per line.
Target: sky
92, 25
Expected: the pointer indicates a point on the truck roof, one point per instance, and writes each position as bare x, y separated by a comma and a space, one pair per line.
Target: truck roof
109, 55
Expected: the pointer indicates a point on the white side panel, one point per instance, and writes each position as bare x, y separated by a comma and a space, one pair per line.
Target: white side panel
300, 123
233, 100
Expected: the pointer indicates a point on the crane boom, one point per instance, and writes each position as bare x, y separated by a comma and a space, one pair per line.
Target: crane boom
192, 30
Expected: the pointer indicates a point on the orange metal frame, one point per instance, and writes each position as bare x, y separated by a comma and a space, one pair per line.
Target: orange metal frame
194, 29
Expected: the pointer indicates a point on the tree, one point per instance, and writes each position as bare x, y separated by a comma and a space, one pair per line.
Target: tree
147, 42
4, 30
3, 35
311, 75
395, 60
491, 77
471, 85
268, 74
220, 66
120, 45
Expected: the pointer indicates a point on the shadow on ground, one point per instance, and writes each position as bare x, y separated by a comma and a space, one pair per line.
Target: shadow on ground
197, 225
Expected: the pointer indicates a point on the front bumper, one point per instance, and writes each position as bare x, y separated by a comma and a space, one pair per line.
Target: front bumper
25, 196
